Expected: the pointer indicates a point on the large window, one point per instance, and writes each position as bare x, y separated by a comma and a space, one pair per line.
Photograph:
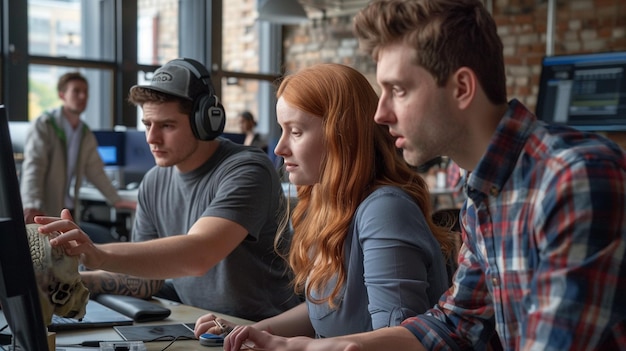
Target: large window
117, 44
157, 30
42, 93
250, 58
72, 35
240, 53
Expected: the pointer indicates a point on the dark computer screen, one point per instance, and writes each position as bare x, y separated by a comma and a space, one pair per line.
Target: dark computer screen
587, 91
18, 288
111, 147
237, 138
139, 158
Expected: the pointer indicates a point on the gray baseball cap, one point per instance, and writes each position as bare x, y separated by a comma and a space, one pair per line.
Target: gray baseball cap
176, 78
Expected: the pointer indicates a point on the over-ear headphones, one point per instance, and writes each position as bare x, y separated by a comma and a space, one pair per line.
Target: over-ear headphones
208, 117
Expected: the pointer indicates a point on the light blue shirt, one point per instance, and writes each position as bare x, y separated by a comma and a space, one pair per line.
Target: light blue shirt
395, 268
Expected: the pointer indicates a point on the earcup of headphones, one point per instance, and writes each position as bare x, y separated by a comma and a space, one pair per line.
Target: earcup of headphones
208, 118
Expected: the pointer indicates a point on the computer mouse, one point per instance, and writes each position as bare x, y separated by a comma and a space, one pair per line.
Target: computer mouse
208, 339
132, 186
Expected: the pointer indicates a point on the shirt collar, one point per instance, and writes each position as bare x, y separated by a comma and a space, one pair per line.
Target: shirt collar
497, 164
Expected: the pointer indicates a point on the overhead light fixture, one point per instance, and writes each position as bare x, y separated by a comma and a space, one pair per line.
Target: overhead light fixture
283, 12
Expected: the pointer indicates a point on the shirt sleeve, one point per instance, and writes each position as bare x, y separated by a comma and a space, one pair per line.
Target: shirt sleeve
246, 193
464, 316
399, 254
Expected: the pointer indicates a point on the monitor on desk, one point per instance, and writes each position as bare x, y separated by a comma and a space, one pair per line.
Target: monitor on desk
139, 158
586, 91
237, 138
18, 287
111, 147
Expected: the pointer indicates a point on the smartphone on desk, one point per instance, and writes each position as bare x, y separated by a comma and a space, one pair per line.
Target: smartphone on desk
208, 339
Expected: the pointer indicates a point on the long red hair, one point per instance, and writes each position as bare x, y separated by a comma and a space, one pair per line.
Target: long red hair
361, 156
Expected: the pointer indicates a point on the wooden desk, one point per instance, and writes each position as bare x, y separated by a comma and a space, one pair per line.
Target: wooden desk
180, 314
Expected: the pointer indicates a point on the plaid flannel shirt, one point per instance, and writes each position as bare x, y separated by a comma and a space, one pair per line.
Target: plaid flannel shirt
543, 261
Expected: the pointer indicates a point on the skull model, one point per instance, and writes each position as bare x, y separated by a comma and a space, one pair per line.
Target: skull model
61, 290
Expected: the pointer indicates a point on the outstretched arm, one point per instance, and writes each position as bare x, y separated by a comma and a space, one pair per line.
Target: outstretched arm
102, 282
294, 322
395, 338
154, 259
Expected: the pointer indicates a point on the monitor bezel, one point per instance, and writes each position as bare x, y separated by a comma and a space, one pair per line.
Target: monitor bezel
19, 295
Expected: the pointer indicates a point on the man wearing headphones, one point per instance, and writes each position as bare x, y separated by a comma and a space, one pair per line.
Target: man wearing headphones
206, 216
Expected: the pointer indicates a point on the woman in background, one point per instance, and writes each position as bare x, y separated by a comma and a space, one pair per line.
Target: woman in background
364, 252
247, 124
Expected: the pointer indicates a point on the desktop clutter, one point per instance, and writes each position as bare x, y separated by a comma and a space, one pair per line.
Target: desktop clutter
62, 292
59, 285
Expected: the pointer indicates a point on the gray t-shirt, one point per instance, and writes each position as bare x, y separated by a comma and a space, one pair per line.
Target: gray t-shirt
240, 184
395, 268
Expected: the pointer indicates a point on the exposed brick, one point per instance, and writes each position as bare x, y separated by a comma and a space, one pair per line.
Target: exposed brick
588, 34
523, 90
575, 24
594, 45
604, 32
580, 26
512, 60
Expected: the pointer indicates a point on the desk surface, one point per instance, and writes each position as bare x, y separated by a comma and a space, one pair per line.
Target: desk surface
180, 314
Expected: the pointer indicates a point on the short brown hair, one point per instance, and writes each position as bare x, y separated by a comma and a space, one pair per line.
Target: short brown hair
68, 77
139, 96
445, 35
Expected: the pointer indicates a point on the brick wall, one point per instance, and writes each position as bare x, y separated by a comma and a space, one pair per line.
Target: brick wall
581, 26
240, 53
324, 41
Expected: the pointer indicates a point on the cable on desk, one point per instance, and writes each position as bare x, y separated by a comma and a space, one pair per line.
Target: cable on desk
172, 338
96, 343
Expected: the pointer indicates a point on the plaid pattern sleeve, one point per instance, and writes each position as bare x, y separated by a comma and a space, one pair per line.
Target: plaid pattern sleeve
544, 245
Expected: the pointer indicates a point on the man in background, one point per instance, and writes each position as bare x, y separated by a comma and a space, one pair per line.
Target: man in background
60, 153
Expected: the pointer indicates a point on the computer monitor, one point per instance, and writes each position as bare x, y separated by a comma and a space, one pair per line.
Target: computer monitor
237, 138
139, 158
586, 91
18, 287
111, 147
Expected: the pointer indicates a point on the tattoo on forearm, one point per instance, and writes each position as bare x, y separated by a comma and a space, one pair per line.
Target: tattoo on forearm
122, 284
